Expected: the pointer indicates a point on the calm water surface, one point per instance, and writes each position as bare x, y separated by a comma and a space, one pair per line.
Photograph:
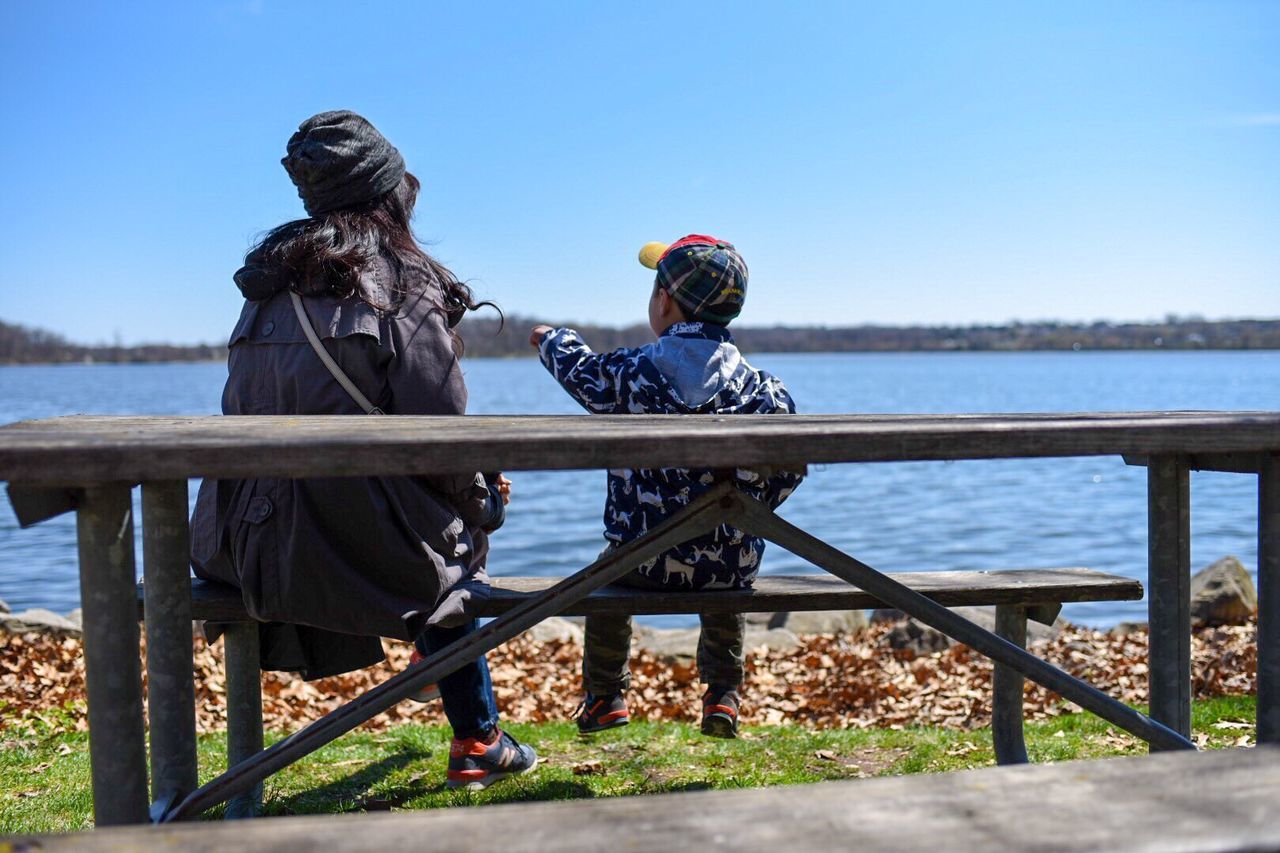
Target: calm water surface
894, 516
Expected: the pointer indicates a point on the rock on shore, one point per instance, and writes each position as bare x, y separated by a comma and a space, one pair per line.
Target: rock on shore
40, 620
1223, 594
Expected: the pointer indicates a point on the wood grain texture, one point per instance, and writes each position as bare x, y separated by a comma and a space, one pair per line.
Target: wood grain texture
80, 449
1269, 601
113, 672
218, 602
1169, 581
1222, 800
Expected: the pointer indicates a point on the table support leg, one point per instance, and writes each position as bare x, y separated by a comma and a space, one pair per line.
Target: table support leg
244, 709
171, 704
113, 671
1169, 591
1007, 689
758, 520
1269, 600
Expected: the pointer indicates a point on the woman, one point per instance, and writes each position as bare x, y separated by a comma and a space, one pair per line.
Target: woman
331, 565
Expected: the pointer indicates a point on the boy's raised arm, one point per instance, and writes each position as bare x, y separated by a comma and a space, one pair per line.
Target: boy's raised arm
771, 487
593, 379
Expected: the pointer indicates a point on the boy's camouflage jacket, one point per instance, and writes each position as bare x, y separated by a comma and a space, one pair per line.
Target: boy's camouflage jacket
693, 368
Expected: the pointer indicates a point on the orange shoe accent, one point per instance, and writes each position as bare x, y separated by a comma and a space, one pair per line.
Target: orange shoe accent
467, 774
615, 715
721, 709
470, 746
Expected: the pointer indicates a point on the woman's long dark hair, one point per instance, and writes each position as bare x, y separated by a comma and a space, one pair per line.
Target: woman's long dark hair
325, 255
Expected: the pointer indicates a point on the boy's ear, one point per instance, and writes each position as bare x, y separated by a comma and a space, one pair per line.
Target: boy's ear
670, 306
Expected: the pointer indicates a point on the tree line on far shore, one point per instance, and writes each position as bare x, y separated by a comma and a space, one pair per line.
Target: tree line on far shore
22, 345
485, 338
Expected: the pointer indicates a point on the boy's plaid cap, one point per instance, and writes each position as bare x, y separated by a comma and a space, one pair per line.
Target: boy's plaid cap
706, 277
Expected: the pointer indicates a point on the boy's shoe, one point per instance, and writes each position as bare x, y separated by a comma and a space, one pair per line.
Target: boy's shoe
720, 712
475, 765
597, 713
429, 693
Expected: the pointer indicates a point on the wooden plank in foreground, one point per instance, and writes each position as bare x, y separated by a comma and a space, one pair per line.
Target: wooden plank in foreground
1222, 800
80, 449
774, 593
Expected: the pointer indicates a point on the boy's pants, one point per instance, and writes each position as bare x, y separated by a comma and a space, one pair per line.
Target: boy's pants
608, 646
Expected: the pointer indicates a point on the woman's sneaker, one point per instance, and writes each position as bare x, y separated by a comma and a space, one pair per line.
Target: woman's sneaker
475, 765
431, 692
720, 712
597, 713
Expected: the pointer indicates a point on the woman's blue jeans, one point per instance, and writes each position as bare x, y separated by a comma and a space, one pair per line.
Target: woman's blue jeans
467, 693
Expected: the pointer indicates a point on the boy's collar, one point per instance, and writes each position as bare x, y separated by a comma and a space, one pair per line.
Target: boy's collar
697, 329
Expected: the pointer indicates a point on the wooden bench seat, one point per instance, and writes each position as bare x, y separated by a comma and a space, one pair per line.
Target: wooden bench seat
1037, 589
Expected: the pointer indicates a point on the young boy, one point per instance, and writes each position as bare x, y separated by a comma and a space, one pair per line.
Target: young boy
693, 368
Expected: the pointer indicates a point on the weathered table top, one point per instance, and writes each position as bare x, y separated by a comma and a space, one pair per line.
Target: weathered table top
84, 449
1223, 800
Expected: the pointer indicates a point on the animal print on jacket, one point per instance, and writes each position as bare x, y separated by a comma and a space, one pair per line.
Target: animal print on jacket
693, 368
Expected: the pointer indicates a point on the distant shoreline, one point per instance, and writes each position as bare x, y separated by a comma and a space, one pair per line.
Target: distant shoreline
471, 357
484, 338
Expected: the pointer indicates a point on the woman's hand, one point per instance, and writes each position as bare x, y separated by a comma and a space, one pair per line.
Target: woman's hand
503, 485
539, 331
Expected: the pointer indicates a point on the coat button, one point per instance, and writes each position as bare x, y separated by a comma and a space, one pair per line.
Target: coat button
268, 327
259, 510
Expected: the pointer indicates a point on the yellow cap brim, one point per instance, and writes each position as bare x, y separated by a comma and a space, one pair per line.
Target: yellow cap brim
651, 252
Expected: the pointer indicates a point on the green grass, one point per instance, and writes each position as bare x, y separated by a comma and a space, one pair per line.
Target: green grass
44, 778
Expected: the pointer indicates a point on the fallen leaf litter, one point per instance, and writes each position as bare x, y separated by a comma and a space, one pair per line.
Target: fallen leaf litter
830, 681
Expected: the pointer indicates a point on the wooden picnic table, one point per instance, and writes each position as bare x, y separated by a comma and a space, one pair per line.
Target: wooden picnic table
89, 464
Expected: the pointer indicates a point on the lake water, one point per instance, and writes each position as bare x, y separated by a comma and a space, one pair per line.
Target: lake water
895, 516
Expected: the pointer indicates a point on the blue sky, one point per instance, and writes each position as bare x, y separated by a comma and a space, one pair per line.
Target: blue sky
891, 163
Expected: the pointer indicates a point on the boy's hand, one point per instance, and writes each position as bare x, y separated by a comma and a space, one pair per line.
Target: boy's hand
535, 337
503, 485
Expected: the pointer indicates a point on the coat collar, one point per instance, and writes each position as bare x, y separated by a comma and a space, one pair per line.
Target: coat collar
695, 329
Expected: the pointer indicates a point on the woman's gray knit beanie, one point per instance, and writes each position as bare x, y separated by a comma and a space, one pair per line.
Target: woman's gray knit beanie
338, 159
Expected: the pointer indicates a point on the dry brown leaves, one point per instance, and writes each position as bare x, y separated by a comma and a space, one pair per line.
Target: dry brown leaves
830, 681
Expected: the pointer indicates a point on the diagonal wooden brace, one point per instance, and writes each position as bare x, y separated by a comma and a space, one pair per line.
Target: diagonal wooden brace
714, 508
759, 520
